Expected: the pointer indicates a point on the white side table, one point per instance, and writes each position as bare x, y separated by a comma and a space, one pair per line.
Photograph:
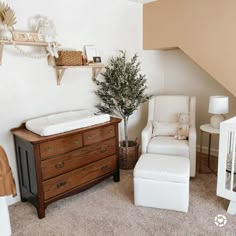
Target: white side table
208, 129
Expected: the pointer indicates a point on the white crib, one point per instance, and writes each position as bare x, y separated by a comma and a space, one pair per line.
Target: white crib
226, 179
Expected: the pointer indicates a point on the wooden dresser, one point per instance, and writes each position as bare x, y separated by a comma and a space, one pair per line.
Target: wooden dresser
53, 167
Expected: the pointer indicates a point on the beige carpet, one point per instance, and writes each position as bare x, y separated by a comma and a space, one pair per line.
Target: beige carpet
108, 209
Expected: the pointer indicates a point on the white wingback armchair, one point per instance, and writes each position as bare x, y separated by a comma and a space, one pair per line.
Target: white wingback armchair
163, 110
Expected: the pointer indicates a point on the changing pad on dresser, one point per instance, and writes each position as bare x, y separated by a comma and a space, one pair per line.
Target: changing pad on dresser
66, 121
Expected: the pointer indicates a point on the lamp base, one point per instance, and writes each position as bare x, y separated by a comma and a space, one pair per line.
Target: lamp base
215, 121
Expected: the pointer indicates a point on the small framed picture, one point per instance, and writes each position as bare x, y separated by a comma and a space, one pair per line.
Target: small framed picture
91, 52
97, 59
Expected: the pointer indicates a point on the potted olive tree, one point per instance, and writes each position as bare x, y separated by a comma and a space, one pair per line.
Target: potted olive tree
121, 91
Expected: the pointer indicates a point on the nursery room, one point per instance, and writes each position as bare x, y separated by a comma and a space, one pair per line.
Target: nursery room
118, 117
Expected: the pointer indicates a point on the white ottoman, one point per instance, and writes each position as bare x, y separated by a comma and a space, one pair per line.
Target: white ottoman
162, 181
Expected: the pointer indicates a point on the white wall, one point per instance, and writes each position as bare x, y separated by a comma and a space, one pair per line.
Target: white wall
28, 87
184, 76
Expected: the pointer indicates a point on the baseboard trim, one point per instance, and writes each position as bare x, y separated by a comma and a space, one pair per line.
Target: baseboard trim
214, 152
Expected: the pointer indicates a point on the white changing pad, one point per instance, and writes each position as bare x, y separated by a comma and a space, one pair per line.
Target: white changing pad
66, 121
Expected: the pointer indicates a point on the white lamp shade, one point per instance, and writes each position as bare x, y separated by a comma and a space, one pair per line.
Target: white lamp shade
218, 105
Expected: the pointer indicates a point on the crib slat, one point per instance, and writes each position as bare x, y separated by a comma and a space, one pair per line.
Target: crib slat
232, 165
228, 142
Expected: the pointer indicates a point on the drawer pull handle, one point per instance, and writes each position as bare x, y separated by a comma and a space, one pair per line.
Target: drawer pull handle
61, 184
48, 148
103, 168
110, 131
103, 150
89, 137
59, 165
76, 141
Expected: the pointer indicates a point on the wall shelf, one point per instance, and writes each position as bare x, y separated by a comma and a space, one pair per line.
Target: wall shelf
60, 70
23, 43
96, 69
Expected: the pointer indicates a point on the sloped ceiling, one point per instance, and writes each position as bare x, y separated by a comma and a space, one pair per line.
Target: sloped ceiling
204, 29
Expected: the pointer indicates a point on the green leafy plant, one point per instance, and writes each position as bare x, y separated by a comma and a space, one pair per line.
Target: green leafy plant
122, 89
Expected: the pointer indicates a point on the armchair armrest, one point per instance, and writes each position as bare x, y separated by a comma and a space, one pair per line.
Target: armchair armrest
146, 136
192, 150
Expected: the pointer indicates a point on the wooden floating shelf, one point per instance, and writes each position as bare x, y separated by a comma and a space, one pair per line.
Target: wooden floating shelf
60, 70
23, 43
26, 43
96, 69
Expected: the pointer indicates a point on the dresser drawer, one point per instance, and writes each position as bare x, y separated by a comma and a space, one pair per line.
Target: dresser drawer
78, 177
98, 135
61, 145
75, 159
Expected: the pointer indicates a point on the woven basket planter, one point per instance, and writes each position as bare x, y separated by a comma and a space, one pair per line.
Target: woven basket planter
129, 156
69, 58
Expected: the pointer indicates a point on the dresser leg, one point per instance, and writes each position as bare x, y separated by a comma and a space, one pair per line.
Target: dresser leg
23, 199
41, 212
116, 176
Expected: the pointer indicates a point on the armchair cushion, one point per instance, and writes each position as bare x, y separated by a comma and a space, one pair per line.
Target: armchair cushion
164, 128
168, 145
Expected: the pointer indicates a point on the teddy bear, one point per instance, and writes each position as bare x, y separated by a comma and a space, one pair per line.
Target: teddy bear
183, 126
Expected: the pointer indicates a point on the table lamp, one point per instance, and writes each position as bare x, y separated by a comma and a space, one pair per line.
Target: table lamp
218, 105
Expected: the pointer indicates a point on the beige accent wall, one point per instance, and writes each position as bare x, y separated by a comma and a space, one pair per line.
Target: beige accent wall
204, 29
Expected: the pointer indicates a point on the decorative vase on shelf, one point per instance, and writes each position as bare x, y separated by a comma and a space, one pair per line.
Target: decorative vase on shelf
5, 33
